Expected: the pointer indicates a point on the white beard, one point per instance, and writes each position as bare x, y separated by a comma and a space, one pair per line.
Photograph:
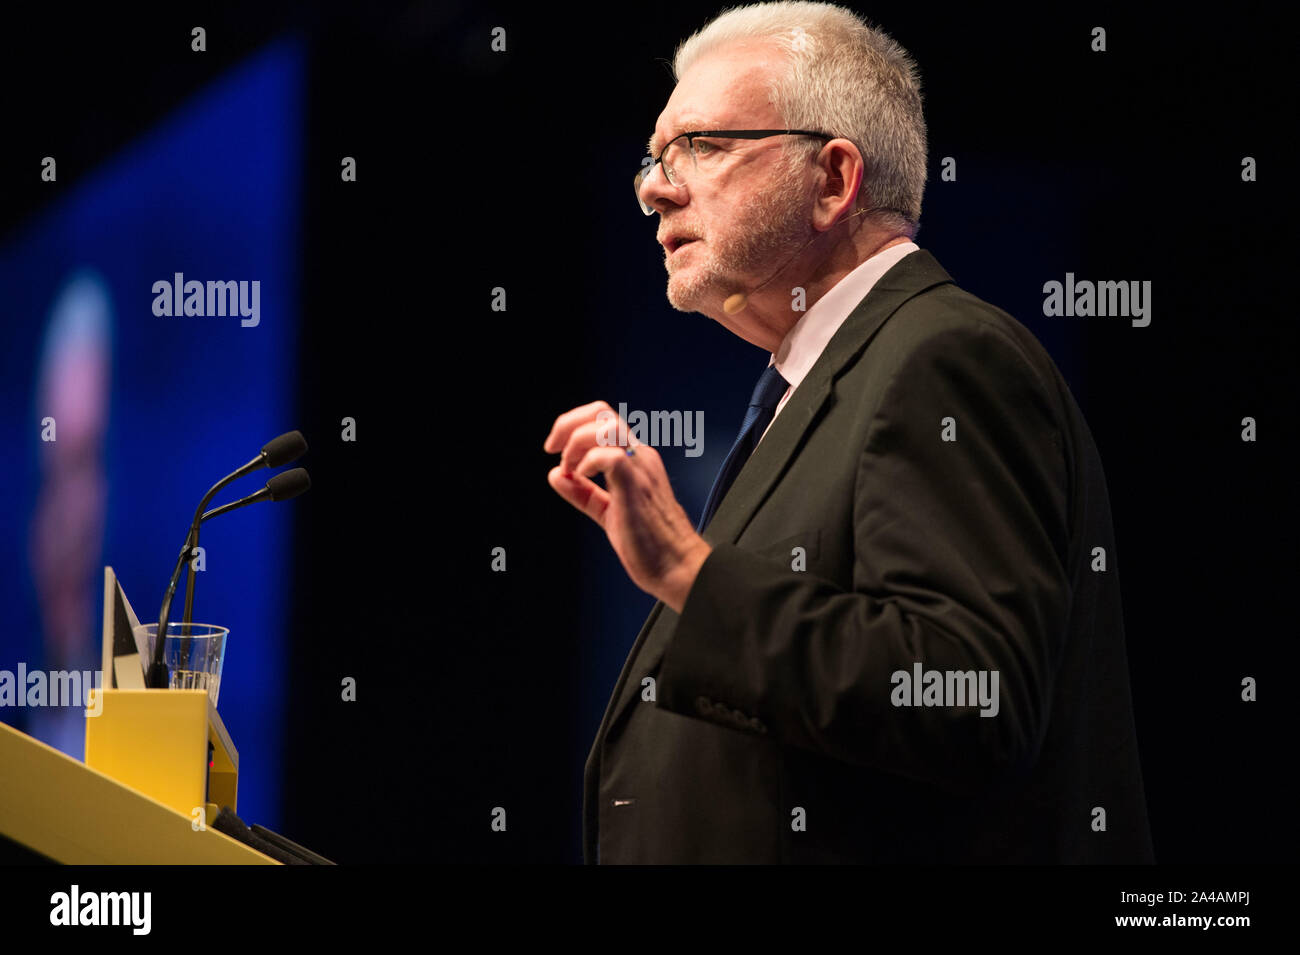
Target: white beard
766, 230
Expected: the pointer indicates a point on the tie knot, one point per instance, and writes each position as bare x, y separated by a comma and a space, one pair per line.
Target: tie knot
770, 389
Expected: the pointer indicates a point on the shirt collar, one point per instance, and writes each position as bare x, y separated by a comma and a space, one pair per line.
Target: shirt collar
805, 342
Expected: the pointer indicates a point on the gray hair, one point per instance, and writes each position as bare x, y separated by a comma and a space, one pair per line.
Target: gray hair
847, 79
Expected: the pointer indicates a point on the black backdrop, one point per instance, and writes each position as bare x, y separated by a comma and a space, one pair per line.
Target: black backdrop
478, 169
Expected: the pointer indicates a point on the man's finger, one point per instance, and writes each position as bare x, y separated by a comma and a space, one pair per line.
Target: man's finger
614, 463
591, 434
565, 423
581, 492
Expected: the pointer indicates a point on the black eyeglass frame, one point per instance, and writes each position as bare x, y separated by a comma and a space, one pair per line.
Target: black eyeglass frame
690, 137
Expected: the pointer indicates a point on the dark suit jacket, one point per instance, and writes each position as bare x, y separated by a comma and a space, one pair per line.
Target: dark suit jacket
772, 735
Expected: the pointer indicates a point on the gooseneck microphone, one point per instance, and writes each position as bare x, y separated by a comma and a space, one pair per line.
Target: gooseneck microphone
287, 447
281, 450
281, 487
735, 303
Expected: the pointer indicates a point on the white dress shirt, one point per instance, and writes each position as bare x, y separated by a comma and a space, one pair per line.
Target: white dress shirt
804, 343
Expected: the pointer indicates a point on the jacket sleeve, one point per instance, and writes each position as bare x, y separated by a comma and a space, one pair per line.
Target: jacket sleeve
961, 538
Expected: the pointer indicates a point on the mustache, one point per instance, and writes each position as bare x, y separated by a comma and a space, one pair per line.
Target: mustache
678, 229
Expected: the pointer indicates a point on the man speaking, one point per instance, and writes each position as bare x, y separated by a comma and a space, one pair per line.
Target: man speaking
897, 635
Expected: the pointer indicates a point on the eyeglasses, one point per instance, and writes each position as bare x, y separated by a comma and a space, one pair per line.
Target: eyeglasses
681, 162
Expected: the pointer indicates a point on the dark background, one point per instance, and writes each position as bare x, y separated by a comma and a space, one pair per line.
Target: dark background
476, 169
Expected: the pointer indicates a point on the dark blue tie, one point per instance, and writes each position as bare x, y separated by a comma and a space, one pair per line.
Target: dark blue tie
768, 392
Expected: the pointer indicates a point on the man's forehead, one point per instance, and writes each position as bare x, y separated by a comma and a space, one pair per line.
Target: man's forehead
727, 89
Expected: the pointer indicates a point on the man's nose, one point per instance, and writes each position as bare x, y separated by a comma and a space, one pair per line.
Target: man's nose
657, 191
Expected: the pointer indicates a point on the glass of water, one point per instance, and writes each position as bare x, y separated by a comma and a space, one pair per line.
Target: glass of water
193, 654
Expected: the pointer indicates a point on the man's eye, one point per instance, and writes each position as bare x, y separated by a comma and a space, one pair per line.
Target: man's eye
703, 147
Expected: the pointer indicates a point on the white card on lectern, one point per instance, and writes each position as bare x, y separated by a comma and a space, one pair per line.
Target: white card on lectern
121, 657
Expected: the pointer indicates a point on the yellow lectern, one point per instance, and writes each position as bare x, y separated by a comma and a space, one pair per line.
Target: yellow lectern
148, 790
73, 813
157, 742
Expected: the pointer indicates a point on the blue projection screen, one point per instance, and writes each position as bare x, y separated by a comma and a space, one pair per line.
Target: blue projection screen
116, 419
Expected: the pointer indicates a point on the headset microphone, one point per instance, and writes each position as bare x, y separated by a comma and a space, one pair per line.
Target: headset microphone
737, 302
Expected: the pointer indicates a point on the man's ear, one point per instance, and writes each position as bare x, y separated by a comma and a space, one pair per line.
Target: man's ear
843, 168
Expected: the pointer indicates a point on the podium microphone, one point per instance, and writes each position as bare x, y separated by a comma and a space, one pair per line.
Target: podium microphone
281, 487
287, 447
281, 450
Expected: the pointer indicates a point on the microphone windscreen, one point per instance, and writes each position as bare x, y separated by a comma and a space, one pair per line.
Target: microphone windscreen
286, 448
288, 484
735, 303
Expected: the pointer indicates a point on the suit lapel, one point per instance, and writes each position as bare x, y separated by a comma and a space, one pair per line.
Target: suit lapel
911, 276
